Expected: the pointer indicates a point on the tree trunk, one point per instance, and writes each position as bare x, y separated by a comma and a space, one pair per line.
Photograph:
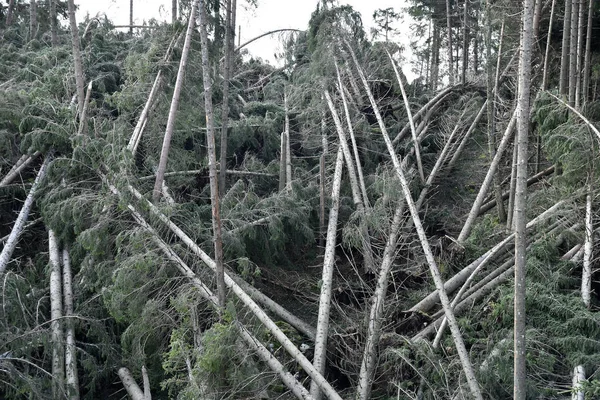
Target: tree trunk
130, 385
53, 23
580, 39
19, 166
131, 17
72, 377
435, 56
588, 53
513, 188
326, 281
564, 59
11, 242
586, 278
578, 392
212, 158
33, 25
450, 58
56, 315
369, 263
79, 76
537, 15
466, 230
520, 216
283, 162
173, 11
288, 152
322, 227
573, 52
547, 54
83, 128
456, 335
465, 46
164, 155
9, 12
368, 364
227, 65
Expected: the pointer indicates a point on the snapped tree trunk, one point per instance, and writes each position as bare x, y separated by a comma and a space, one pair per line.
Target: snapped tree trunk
456, 335
164, 155
56, 315
520, 216
19, 166
72, 377
564, 58
326, 280
79, 76
212, 158
13, 238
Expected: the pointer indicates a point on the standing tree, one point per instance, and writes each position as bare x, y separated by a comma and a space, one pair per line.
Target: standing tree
79, 76
384, 18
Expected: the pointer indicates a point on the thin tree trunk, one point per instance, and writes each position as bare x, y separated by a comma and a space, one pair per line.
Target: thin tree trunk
139, 127
470, 131
578, 392
369, 263
164, 155
586, 278
435, 56
466, 230
368, 364
573, 52
288, 152
283, 162
53, 24
19, 166
56, 315
564, 59
146, 382
537, 15
322, 227
326, 281
450, 59
131, 17
513, 188
580, 39
465, 47
130, 385
227, 65
456, 335
33, 25
173, 11
410, 120
588, 53
83, 115
79, 76
520, 216
11, 242
212, 159
547, 54
72, 381
9, 12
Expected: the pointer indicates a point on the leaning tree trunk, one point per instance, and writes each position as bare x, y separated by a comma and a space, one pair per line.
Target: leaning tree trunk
56, 315
13, 238
164, 155
79, 76
586, 278
416, 219
326, 281
435, 57
520, 216
72, 378
588, 53
212, 158
130, 385
564, 59
547, 53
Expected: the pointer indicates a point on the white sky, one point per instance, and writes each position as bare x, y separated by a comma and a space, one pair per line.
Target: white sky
270, 15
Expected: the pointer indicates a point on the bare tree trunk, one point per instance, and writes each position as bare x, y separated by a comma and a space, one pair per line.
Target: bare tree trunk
368, 365
410, 120
11, 242
164, 155
212, 158
520, 216
288, 151
465, 47
9, 12
72, 377
513, 188
580, 39
564, 60
79, 76
83, 115
173, 11
56, 315
33, 25
578, 393
450, 59
466, 230
53, 23
573, 52
130, 385
283, 162
547, 54
586, 278
435, 57
322, 227
537, 15
369, 263
19, 166
131, 17
588, 53
326, 281
227, 65
456, 335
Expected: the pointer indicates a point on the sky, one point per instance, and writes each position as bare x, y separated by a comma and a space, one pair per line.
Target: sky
269, 15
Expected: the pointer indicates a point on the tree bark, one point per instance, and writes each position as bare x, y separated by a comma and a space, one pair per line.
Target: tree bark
83, 128
435, 57
465, 46
288, 151
11, 242
53, 24
588, 53
547, 54
56, 315
573, 52
578, 380
33, 25
19, 166
586, 278
580, 39
79, 76
450, 58
456, 335
164, 155
130, 385
173, 11
72, 377
9, 12
537, 15
520, 216
283, 162
564, 59
131, 17
212, 158
326, 281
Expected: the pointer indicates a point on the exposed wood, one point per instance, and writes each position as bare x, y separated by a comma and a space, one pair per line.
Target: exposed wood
586, 278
